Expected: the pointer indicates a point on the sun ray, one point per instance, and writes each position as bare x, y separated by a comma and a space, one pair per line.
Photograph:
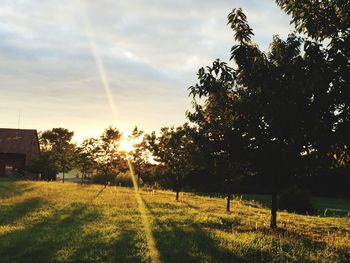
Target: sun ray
99, 63
145, 217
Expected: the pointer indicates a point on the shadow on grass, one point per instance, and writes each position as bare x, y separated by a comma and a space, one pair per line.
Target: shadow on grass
50, 240
11, 213
126, 248
188, 243
94, 248
97, 195
10, 188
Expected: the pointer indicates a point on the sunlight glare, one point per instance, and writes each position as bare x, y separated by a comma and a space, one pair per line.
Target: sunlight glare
146, 218
126, 145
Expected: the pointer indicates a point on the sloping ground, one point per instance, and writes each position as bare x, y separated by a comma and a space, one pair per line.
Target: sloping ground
55, 222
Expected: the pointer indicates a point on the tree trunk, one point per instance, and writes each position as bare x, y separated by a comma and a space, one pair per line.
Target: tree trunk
138, 180
228, 205
63, 177
82, 178
177, 195
273, 223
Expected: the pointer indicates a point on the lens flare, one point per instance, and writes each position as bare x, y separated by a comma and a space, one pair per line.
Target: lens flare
99, 63
145, 216
126, 146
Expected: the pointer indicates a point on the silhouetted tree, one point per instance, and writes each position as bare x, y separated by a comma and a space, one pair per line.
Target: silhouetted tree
110, 159
58, 142
326, 24
173, 149
86, 156
215, 117
139, 155
44, 165
284, 103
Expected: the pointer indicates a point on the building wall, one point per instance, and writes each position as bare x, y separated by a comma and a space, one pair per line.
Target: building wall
12, 160
33, 152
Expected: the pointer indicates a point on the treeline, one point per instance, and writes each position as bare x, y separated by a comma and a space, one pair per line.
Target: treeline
270, 121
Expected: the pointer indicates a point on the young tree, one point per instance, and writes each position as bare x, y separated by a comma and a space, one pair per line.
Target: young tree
45, 166
173, 149
58, 142
86, 156
216, 118
140, 155
110, 159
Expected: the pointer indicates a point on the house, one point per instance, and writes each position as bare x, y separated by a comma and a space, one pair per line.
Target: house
18, 149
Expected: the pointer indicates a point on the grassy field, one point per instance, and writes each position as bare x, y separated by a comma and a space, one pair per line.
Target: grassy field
323, 206
55, 222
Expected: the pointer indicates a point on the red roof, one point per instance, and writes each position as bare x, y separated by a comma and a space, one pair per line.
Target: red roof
17, 140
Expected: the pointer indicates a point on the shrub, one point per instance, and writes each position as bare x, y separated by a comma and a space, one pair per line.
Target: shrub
124, 180
296, 200
105, 178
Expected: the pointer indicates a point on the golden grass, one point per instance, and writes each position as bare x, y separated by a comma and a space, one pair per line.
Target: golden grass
55, 222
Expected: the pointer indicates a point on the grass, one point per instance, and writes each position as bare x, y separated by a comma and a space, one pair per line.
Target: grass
55, 222
324, 206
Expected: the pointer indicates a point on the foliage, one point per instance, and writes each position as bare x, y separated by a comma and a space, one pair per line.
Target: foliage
174, 149
105, 178
140, 155
110, 160
124, 179
86, 156
287, 107
44, 165
57, 143
327, 27
296, 199
215, 117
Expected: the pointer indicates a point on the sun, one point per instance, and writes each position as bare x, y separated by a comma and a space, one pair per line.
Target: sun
126, 145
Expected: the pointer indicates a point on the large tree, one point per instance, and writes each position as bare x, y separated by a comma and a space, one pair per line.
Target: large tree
326, 25
284, 107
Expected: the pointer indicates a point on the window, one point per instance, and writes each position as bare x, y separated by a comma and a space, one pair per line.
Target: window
8, 169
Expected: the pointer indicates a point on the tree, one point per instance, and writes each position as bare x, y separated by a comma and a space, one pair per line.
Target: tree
58, 142
140, 155
45, 166
216, 119
86, 156
110, 160
326, 24
284, 107
173, 149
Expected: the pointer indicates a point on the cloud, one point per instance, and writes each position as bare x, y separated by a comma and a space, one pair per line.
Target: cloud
151, 51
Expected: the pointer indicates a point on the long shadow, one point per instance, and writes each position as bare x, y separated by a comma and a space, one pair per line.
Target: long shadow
188, 243
126, 248
97, 195
10, 213
10, 188
43, 241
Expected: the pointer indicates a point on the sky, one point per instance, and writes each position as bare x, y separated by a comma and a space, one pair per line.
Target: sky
88, 64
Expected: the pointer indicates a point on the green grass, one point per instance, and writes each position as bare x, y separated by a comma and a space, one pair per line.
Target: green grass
323, 206
55, 222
